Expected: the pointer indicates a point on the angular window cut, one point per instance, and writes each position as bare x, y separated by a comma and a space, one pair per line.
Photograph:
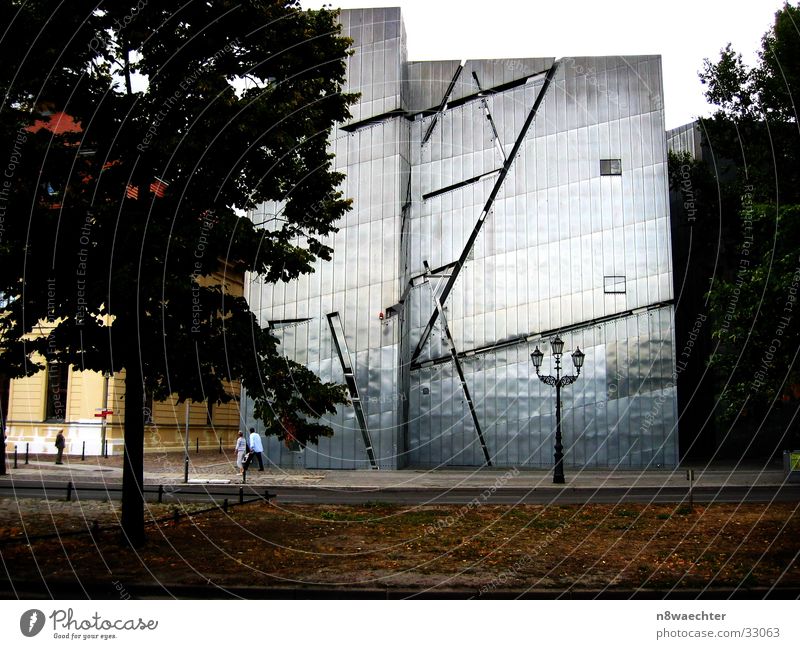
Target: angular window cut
614, 284
611, 167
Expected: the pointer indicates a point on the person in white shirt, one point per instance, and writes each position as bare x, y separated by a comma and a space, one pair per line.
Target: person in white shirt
256, 449
240, 449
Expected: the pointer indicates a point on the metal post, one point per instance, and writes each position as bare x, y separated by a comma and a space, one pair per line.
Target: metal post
160, 493
558, 471
186, 447
83, 451
15, 456
558, 382
225, 505
220, 446
196, 444
103, 439
27, 448
241, 495
69, 491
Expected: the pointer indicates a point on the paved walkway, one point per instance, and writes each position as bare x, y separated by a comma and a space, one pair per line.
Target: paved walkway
716, 476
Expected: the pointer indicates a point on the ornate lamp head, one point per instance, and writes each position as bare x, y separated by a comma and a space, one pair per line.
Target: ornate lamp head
537, 357
577, 359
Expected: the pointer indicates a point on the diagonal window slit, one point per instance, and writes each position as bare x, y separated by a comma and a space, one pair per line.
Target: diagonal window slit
458, 185
443, 106
337, 332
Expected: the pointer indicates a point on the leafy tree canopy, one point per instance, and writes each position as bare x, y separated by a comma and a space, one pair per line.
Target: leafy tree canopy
755, 133
134, 137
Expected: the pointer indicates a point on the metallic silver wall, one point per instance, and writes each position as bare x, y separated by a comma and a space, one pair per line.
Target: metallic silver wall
362, 279
481, 226
686, 138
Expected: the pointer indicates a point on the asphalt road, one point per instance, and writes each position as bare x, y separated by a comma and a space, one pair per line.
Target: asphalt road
410, 496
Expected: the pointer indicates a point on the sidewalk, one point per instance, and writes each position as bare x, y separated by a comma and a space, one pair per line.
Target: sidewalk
91, 470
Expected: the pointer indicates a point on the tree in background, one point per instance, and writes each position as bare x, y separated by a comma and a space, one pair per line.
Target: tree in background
185, 116
753, 301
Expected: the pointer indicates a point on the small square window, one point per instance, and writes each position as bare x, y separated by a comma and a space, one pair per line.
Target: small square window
614, 284
611, 167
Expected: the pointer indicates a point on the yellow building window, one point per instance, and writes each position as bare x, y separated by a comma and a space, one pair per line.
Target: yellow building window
56, 399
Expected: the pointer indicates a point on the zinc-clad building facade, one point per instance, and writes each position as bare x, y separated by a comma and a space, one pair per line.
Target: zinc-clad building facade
495, 203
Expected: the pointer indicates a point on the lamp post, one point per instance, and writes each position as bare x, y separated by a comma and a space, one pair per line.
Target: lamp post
558, 381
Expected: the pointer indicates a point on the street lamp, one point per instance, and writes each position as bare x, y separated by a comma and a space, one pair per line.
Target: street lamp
558, 381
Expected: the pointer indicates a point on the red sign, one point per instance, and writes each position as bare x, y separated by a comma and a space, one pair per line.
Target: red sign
104, 413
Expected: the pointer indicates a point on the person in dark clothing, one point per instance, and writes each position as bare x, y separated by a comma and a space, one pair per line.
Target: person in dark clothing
60, 444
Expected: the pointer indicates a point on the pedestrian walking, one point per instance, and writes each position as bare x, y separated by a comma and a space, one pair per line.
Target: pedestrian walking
60, 444
240, 449
256, 449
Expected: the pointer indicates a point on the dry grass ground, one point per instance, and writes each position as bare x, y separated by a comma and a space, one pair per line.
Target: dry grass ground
486, 550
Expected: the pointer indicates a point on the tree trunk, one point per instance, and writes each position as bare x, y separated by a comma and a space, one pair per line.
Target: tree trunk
3, 416
127, 69
133, 463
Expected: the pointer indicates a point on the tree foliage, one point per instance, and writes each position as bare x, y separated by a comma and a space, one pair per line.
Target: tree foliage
755, 133
189, 114
756, 312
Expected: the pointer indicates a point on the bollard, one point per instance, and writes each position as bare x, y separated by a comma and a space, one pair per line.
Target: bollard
105, 448
241, 495
196, 444
69, 491
15, 456
83, 452
27, 447
266, 495
225, 505
175, 516
220, 446
690, 478
160, 493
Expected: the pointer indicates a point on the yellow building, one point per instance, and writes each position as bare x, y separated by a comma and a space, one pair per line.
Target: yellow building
42, 404
59, 398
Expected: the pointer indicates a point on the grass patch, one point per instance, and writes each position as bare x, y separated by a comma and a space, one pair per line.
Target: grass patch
377, 504
421, 517
345, 517
626, 513
342, 544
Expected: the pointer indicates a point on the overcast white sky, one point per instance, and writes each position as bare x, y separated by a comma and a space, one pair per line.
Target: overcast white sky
684, 32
